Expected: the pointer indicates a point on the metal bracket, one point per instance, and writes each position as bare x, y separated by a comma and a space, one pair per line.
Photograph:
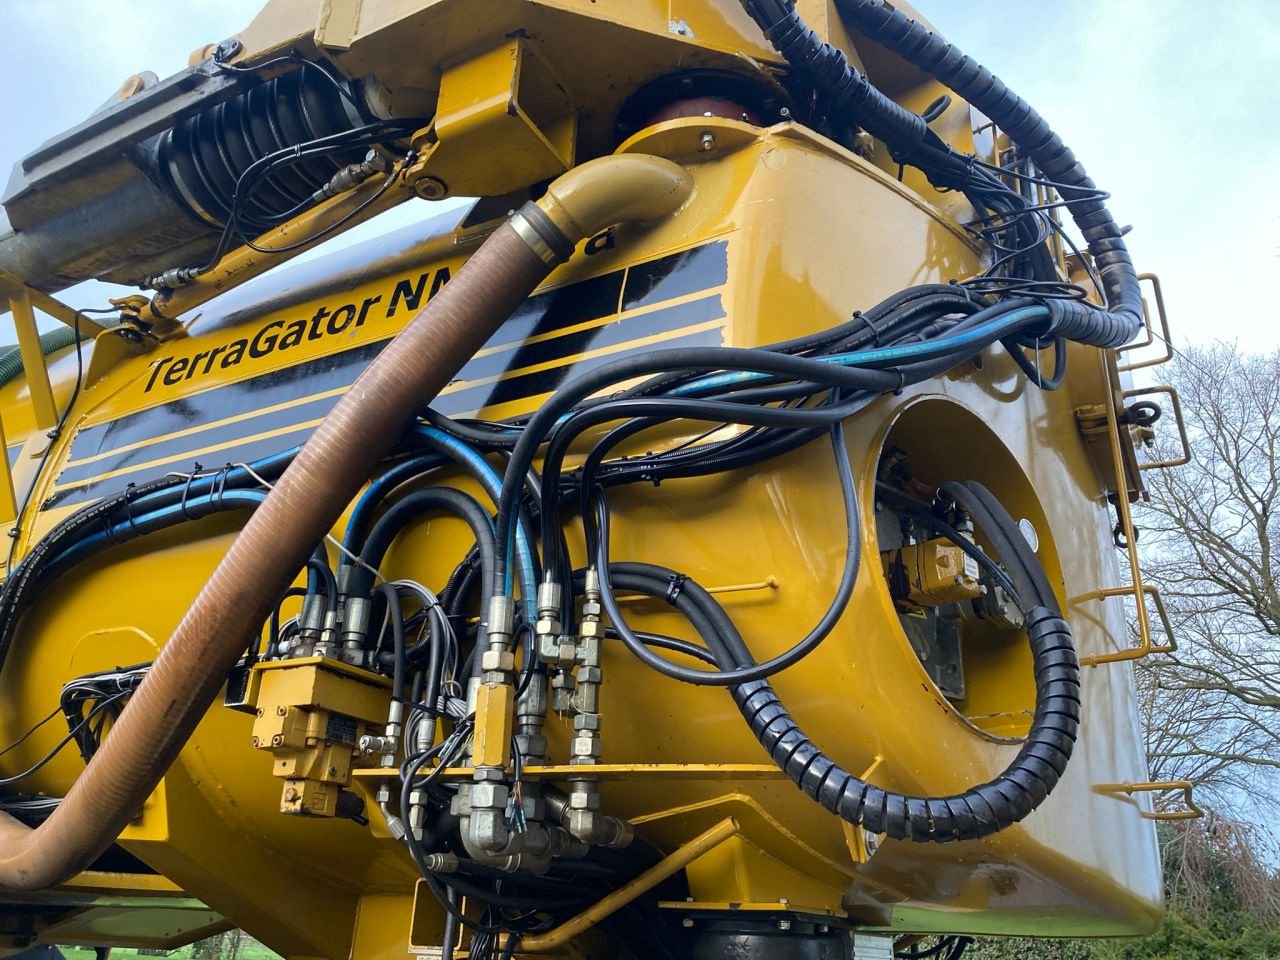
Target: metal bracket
1193, 811
1176, 404
1164, 337
1145, 646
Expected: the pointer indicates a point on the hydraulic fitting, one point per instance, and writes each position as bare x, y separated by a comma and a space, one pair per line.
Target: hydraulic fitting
552, 645
581, 816
483, 805
355, 621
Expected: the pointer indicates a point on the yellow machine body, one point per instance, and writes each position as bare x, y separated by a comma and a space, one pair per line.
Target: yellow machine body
786, 234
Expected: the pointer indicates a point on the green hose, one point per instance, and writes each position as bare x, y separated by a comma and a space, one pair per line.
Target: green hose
50, 343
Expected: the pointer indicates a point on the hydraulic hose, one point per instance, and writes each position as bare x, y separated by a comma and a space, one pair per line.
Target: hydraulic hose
928, 51
311, 494
408, 509
976, 812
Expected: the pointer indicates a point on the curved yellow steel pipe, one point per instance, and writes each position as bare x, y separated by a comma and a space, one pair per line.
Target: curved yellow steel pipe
583, 201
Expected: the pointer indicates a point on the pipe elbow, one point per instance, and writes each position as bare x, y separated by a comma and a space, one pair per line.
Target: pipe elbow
610, 190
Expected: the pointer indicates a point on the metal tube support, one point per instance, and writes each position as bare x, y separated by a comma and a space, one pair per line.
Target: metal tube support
668, 866
33, 361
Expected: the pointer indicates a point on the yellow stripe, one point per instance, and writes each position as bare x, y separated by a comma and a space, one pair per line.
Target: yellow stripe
191, 454
452, 388
179, 434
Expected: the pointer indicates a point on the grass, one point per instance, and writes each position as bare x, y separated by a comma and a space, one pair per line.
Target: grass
216, 948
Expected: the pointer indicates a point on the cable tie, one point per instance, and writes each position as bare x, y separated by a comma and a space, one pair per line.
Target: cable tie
220, 482
129, 493
675, 583
186, 489
875, 331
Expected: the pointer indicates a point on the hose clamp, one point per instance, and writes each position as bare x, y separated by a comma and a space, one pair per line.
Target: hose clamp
543, 237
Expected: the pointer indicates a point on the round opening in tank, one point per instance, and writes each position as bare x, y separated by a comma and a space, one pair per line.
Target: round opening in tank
962, 628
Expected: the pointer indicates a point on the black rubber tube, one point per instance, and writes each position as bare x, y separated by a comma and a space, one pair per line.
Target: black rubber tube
409, 508
749, 670
976, 812
928, 51
391, 597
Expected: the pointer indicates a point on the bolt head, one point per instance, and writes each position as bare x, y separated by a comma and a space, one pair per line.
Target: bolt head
431, 188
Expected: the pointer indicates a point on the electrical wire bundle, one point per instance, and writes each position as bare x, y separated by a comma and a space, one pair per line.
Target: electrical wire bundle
88, 704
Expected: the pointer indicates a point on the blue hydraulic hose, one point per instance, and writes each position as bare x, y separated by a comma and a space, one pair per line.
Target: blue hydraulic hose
378, 490
489, 479
122, 531
994, 330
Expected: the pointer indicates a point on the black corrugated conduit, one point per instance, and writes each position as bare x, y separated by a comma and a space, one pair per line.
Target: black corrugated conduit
977, 812
910, 141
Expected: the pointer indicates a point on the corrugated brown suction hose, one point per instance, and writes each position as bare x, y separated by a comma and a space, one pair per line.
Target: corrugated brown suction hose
311, 495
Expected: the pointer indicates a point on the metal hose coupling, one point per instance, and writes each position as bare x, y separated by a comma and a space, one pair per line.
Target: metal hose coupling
311, 495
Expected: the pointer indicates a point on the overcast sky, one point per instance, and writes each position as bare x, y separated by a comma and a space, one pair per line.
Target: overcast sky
1171, 105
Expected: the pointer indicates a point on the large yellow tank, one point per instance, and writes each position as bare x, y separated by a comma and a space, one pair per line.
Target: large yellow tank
787, 232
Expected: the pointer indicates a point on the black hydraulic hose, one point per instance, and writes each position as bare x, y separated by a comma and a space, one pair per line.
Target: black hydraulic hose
29, 576
273, 625
711, 458
440, 656
657, 361
990, 514
391, 597
318, 563
474, 470
624, 578
912, 507
136, 526
978, 811
484, 439
845, 89
877, 326
931, 53
23, 583
658, 410
1031, 368
449, 940
729, 674
407, 509
406, 471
